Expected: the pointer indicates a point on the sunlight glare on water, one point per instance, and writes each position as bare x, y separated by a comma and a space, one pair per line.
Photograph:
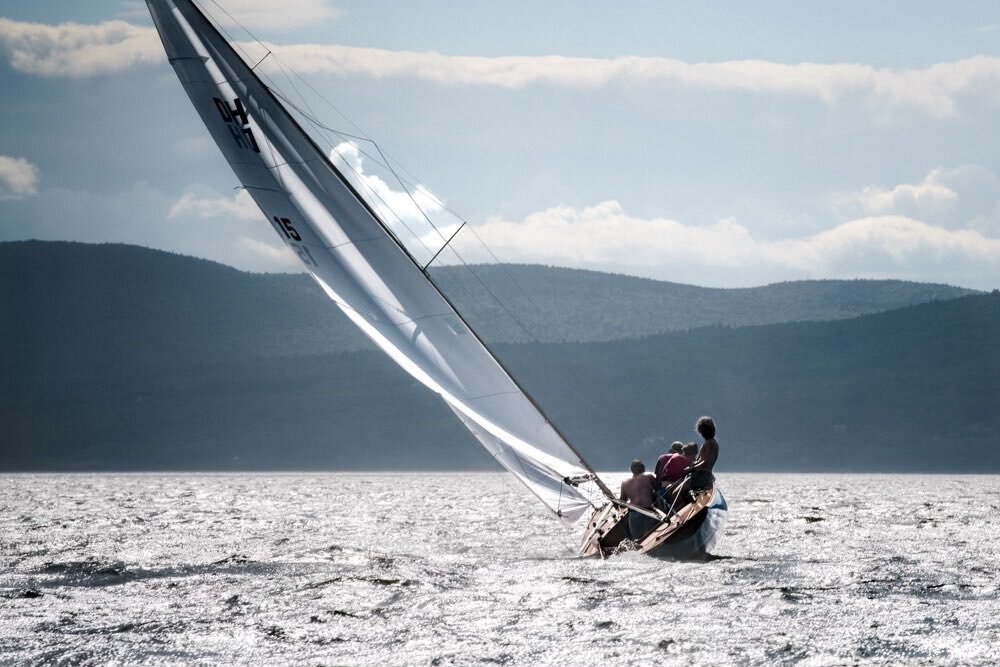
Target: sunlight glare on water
453, 568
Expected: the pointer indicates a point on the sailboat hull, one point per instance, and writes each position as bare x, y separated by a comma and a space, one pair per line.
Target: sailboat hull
697, 536
692, 533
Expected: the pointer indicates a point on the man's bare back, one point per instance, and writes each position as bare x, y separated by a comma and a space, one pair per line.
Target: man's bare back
707, 456
640, 490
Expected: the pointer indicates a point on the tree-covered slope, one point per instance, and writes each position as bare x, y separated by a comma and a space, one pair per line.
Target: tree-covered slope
121, 358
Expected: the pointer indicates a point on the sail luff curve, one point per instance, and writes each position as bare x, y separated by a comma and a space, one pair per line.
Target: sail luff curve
358, 261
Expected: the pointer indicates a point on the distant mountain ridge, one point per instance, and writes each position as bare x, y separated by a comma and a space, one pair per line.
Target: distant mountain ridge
116, 357
111, 286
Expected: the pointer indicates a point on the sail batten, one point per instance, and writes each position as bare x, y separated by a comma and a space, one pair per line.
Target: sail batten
358, 260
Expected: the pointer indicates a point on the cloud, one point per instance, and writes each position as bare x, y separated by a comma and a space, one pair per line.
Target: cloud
273, 15
140, 215
80, 50
936, 90
930, 197
241, 206
273, 256
77, 50
18, 178
238, 212
394, 206
961, 197
604, 237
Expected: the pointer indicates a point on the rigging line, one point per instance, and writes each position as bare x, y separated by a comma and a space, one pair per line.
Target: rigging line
361, 180
443, 247
284, 72
496, 299
406, 185
413, 199
384, 161
359, 177
261, 60
233, 19
229, 36
312, 117
462, 261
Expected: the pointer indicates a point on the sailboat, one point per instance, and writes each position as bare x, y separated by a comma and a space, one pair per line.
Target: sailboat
364, 268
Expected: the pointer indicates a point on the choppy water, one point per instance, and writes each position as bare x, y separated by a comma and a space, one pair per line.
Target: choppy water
467, 569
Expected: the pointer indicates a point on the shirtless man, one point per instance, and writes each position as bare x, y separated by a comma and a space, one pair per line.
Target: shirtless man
639, 490
700, 472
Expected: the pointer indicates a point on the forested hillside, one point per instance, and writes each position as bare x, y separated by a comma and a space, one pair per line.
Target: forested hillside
123, 358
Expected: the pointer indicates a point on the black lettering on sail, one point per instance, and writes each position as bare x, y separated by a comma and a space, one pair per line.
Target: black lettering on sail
253, 142
239, 122
223, 109
239, 137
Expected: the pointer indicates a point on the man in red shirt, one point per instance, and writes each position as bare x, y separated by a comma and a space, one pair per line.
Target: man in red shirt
661, 462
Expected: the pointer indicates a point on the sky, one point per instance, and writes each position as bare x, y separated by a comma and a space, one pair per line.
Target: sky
723, 144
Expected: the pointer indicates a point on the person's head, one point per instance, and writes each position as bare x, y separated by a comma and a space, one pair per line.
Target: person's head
705, 427
690, 451
638, 467
676, 447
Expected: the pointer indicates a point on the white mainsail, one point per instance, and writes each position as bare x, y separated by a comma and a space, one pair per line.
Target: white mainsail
359, 264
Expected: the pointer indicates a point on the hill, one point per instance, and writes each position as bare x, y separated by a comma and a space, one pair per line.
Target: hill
135, 359
192, 309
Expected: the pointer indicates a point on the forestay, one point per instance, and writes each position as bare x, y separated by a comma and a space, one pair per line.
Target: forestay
358, 262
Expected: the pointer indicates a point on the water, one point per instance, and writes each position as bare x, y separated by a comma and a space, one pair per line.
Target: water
442, 569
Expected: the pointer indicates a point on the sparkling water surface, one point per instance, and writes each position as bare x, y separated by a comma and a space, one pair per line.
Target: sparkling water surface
441, 569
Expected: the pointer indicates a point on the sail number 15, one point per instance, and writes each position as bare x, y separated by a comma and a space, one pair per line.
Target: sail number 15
285, 226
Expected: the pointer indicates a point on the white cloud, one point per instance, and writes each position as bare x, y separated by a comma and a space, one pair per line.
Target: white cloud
393, 205
77, 50
138, 215
241, 206
417, 217
273, 255
18, 178
962, 197
273, 15
936, 90
929, 197
604, 237
84, 50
